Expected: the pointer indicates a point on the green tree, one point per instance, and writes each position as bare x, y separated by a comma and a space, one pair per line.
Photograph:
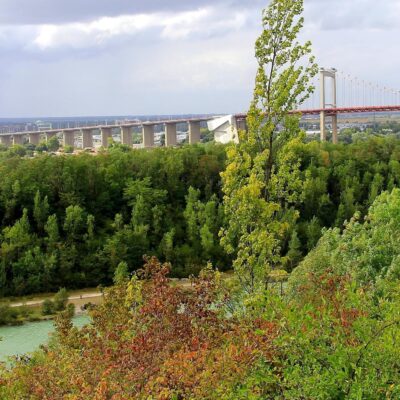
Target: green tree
191, 214
6, 313
313, 233
61, 300
47, 307
52, 230
366, 251
74, 221
166, 247
41, 147
128, 243
142, 197
206, 135
202, 224
261, 182
90, 227
121, 273
376, 187
16, 240
68, 149
18, 150
40, 210
53, 144
294, 253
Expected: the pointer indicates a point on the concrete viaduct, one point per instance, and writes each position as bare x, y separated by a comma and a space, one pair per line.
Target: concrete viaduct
126, 132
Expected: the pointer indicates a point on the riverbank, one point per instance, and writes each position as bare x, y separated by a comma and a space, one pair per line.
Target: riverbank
37, 300
30, 308
21, 310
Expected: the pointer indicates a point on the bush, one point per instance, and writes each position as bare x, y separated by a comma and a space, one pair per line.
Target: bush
6, 314
18, 150
53, 144
150, 339
70, 310
367, 250
121, 273
24, 311
41, 147
47, 307
68, 149
61, 300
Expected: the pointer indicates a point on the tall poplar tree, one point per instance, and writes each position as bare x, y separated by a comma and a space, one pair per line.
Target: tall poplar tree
261, 183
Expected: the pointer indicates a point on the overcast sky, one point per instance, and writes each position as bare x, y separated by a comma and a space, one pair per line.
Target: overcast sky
131, 57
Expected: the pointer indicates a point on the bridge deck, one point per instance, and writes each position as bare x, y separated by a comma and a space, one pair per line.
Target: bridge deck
115, 126
328, 112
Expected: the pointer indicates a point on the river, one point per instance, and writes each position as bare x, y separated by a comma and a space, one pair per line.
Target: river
22, 339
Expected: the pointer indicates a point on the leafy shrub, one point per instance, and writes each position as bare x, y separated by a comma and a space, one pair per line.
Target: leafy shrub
153, 340
367, 250
61, 300
7, 314
148, 340
53, 144
68, 149
41, 147
47, 307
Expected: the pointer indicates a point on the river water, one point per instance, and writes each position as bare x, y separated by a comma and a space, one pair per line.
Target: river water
19, 340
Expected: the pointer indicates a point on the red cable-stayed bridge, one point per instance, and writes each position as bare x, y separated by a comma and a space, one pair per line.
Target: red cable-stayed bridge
339, 110
347, 94
349, 110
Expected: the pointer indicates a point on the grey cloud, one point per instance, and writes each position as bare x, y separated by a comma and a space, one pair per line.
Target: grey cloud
353, 14
211, 69
183, 77
93, 38
19, 12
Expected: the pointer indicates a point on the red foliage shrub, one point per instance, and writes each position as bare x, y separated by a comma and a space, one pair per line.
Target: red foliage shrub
160, 342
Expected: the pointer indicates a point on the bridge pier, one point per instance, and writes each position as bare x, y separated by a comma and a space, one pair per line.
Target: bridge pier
241, 125
87, 138
327, 73
18, 139
170, 134
6, 140
106, 134
49, 135
69, 138
34, 138
335, 129
322, 119
148, 136
126, 135
194, 132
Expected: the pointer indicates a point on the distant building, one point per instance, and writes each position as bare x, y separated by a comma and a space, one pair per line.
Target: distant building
43, 126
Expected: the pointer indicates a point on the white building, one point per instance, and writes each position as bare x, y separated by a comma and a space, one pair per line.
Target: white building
225, 129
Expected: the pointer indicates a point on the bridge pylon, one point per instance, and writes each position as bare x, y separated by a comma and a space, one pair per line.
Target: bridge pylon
328, 73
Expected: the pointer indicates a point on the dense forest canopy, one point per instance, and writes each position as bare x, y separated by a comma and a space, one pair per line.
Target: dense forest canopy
335, 338
70, 220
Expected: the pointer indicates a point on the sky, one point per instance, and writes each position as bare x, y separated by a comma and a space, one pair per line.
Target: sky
146, 57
